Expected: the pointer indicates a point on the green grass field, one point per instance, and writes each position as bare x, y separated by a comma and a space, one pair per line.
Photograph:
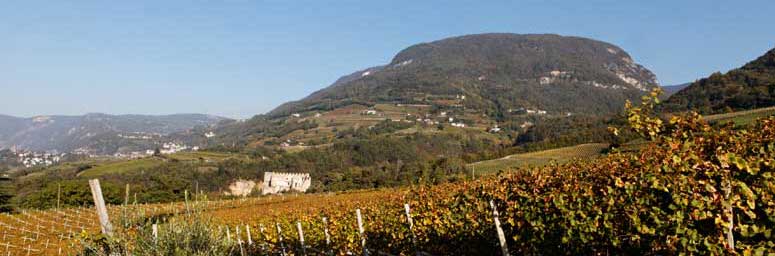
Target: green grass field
539, 158
741, 118
121, 166
197, 155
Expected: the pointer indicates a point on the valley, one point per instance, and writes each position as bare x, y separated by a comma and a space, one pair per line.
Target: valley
568, 137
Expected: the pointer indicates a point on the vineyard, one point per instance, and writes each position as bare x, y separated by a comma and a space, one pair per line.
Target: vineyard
693, 189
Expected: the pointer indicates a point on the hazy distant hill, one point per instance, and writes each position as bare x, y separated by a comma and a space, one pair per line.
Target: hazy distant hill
495, 72
97, 133
750, 86
672, 89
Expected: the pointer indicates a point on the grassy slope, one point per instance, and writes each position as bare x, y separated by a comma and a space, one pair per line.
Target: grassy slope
539, 158
741, 118
123, 166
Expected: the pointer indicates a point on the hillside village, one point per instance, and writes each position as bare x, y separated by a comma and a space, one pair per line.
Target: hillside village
31, 159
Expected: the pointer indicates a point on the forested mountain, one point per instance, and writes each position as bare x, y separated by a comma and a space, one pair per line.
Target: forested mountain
95, 133
748, 87
495, 73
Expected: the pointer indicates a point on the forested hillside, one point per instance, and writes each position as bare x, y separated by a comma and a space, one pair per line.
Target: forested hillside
748, 87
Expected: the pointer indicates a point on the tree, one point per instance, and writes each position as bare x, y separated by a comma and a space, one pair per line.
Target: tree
6, 193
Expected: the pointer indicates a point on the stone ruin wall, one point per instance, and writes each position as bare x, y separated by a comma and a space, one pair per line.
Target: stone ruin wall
278, 182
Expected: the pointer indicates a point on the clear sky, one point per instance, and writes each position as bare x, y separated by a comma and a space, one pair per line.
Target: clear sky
240, 58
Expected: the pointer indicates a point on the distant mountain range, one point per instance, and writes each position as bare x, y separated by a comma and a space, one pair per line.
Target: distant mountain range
96, 133
750, 86
479, 80
495, 72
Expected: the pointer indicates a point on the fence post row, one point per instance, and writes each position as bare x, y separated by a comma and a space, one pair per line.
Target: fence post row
107, 228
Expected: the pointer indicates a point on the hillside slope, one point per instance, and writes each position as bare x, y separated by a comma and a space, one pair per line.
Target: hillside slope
748, 87
494, 73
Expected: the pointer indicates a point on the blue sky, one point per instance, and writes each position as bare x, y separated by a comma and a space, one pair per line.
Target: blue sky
240, 58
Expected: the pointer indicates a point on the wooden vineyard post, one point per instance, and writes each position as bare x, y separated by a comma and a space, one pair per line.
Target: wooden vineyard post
59, 194
126, 195
360, 231
99, 204
250, 239
188, 209
280, 237
501, 236
301, 238
155, 232
325, 232
125, 221
263, 236
239, 240
228, 235
729, 212
411, 228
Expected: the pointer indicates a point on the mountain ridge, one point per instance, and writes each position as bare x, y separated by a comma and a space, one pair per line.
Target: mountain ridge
96, 132
474, 64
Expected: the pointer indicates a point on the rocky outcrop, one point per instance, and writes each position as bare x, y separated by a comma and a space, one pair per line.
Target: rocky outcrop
240, 188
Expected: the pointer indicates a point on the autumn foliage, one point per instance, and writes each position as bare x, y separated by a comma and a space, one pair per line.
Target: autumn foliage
695, 189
